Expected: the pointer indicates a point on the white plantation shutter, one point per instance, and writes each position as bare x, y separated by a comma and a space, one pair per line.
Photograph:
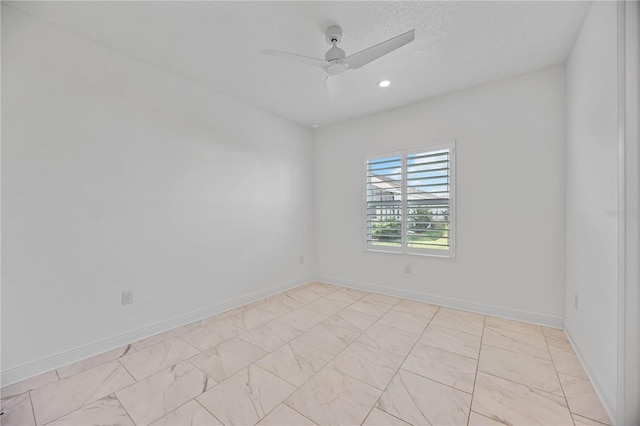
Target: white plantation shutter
428, 186
384, 202
409, 202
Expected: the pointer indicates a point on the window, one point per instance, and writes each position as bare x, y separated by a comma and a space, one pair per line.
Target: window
410, 201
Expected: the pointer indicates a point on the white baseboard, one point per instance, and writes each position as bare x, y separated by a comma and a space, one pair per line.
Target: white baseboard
50, 363
548, 321
608, 402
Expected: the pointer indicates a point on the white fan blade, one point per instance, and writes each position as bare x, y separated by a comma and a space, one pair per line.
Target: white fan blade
374, 52
333, 85
298, 58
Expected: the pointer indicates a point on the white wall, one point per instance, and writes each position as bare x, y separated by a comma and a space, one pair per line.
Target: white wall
510, 198
116, 176
629, 405
592, 234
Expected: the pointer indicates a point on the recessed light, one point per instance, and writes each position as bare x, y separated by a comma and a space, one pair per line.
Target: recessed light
384, 83
314, 125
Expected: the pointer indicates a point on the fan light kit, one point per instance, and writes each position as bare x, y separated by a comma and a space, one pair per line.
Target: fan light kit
384, 83
336, 62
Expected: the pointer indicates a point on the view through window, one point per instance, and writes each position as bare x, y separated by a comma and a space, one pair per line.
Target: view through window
409, 201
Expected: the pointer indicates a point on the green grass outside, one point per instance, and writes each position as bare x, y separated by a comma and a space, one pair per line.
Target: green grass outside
440, 242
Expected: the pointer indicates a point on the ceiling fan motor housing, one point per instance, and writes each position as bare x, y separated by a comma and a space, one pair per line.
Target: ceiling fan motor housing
334, 34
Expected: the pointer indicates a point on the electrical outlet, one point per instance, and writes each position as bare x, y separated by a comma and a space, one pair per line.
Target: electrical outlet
127, 297
575, 300
407, 269
301, 260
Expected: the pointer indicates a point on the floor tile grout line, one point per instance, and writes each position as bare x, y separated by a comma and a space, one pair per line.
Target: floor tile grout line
135, 382
207, 390
519, 333
402, 363
523, 384
131, 375
243, 331
202, 371
449, 352
409, 353
315, 374
79, 408
576, 377
473, 314
84, 404
335, 314
388, 414
87, 369
33, 410
567, 348
161, 371
167, 413
475, 379
529, 354
203, 407
161, 343
564, 394
587, 417
365, 330
6, 397
295, 389
180, 337
455, 329
525, 331
539, 328
303, 332
135, 345
124, 408
207, 375
434, 380
483, 415
282, 378
190, 360
291, 408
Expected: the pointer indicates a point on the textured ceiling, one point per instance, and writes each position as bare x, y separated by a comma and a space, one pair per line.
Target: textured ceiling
217, 44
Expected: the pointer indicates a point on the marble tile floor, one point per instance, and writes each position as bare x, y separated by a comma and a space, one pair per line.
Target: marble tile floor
322, 355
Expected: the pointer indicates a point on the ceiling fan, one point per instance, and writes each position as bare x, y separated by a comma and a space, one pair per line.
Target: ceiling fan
336, 62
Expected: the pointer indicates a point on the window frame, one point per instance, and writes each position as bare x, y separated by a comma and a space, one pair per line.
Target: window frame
404, 247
